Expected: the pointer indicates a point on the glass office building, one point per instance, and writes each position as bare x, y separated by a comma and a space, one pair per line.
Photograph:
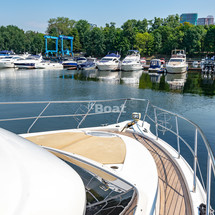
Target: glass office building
189, 17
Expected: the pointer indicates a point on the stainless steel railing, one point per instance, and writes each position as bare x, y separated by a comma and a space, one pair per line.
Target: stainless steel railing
124, 192
211, 159
152, 117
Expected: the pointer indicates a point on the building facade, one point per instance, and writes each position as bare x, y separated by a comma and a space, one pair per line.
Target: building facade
189, 17
206, 21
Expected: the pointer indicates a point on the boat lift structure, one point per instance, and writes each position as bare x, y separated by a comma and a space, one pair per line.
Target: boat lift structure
62, 51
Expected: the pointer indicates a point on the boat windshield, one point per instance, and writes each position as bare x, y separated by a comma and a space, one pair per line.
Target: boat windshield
106, 59
176, 60
81, 58
155, 63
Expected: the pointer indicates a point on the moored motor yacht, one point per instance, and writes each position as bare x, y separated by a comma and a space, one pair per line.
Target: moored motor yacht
29, 62
177, 62
131, 61
8, 61
81, 60
5, 53
90, 64
101, 169
156, 66
109, 62
69, 63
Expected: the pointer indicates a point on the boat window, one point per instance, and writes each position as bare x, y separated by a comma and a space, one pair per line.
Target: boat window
81, 59
106, 59
155, 63
175, 60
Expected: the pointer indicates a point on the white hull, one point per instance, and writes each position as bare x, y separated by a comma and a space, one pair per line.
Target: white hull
131, 67
176, 69
155, 70
25, 66
7, 65
49, 66
107, 67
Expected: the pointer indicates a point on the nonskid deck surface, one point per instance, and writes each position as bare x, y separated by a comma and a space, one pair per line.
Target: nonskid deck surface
105, 150
174, 197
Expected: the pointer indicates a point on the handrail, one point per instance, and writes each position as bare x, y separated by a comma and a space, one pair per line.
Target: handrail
146, 115
211, 158
199, 130
77, 158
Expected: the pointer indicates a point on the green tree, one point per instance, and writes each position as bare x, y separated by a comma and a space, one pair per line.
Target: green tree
60, 26
34, 42
12, 38
209, 39
129, 31
144, 43
155, 23
94, 42
110, 35
193, 37
82, 27
172, 21
157, 41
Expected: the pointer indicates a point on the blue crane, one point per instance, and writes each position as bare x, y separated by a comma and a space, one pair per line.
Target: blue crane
61, 37
46, 45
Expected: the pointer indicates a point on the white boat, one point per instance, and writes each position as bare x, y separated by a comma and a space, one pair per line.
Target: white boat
48, 65
28, 63
5, 53
8, 61
109, 62
143, 61
121, 168
131, 61
69, 63
156, 66
81, 60
90, 64
177, 62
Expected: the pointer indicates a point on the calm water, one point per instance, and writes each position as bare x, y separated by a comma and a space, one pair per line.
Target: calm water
191, 95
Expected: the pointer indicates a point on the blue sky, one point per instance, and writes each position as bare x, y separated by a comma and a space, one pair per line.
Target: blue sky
34, 15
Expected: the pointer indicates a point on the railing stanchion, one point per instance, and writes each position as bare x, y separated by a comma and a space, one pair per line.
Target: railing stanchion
38, 117
89, 109
178, 141
208, 193
146, 111
156, 123
195, 160
122, 109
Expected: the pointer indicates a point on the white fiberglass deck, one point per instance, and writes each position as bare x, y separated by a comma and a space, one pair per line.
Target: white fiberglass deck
174, 197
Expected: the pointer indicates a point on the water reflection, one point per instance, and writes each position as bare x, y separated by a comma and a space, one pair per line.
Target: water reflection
109, 76
112, 77
131, 78
176, 81
194, 82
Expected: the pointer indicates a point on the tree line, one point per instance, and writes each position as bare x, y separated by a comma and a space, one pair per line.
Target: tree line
151, 37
